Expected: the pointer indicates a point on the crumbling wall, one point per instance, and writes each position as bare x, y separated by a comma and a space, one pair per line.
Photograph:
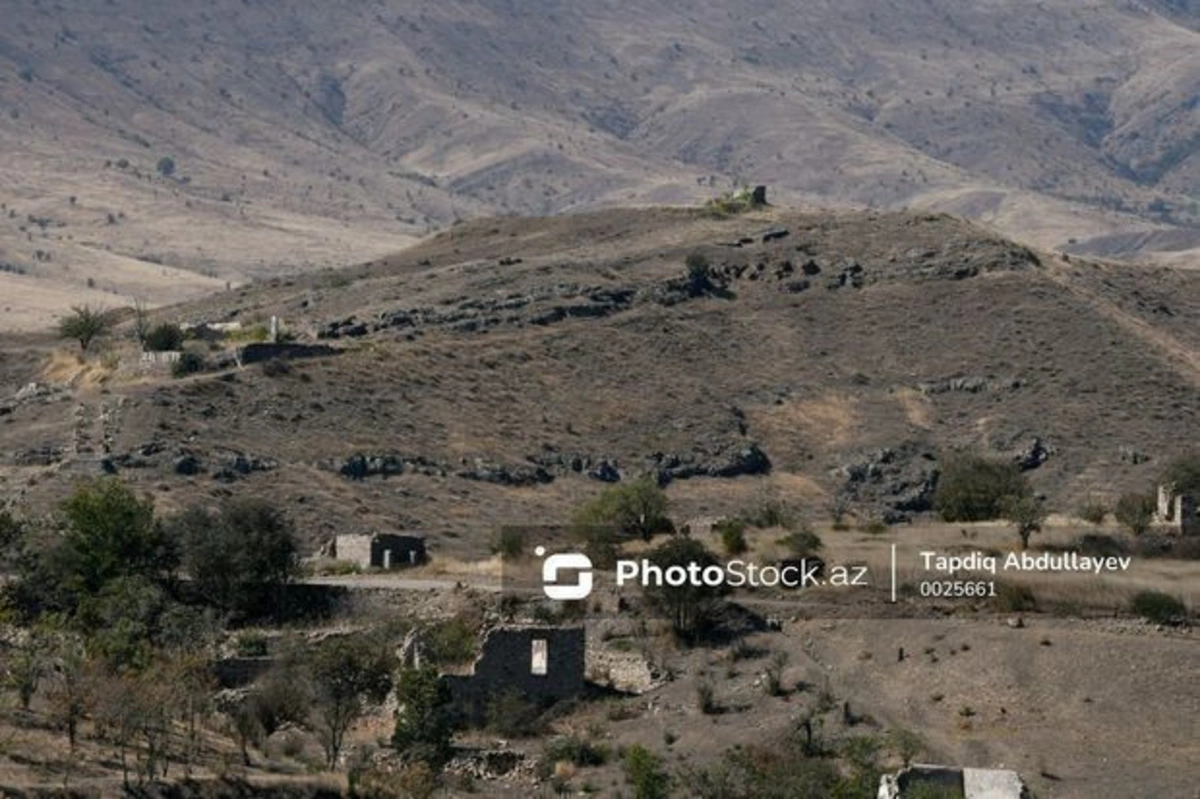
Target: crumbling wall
542, 665
353, 548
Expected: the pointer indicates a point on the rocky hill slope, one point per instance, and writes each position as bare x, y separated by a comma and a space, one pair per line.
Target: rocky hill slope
503, 370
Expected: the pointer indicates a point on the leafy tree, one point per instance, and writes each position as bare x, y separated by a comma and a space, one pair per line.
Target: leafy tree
84, 324
1135, 511
1184, 474
972, 488
107, 532
240, 557
690, 608
635, 509
163, 337
423, 727
165, 166
347, 672
1027, 513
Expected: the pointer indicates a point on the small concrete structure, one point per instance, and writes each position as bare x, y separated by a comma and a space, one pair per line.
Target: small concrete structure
541, 665
381, 550
1175, 512
968, 783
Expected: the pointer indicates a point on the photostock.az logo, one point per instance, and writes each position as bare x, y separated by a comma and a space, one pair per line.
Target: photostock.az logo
576, 562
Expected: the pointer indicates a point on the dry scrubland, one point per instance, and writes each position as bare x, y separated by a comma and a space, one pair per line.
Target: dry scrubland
304, 136
851, 351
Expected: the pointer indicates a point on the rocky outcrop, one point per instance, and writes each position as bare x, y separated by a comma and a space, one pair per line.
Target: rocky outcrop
891, 483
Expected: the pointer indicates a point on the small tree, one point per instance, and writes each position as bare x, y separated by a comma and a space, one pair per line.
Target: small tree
1184, 473
1027, 513
423, 726
691, 608
106, 532
347, 672
974, 489
163, 337
240, 557
84, 324
165, 166
637, 509
1135, 511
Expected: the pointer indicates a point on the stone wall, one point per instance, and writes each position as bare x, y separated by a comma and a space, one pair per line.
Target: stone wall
508, 663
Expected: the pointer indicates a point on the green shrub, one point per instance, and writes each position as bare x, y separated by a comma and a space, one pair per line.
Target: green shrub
1158, 607
571, 749
510, 543
769, 513
452, 641
646, 774
875, 526
1135, 511
637, 509
733, 535
252, 645
164, 337
972, 488
1184, 473
802, 542
189, 363
1092, 512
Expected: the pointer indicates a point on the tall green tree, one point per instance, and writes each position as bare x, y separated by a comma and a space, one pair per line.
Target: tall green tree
102, 532
240, 557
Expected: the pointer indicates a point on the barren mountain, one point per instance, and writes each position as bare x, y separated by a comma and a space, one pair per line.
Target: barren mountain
303, 135
504, 369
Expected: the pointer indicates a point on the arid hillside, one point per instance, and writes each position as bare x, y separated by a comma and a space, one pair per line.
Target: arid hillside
503, 370
158, 150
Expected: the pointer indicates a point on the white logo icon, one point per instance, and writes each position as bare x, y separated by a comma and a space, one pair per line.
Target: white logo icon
577, 562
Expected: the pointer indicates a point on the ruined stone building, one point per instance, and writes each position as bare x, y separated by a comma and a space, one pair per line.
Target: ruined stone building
970, 783
380, 550
1176, 512
541, 665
